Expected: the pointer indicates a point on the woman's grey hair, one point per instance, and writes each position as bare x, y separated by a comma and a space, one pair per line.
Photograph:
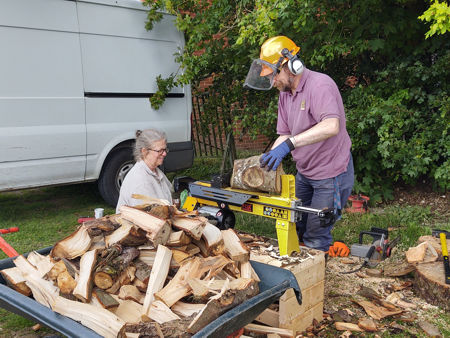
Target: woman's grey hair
145, 139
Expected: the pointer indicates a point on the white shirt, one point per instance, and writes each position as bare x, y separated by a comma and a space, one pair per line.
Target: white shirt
141, 180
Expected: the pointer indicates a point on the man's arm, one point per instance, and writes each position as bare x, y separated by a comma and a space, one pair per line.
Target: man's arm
321, 131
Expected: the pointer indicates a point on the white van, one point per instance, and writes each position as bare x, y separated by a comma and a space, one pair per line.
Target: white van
75, 82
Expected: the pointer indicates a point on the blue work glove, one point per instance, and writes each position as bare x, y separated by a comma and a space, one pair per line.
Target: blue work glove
273, 158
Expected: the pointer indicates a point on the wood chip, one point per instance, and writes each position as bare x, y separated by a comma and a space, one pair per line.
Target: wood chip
342, 326
430, 329
367, 324
374, 272
377, 312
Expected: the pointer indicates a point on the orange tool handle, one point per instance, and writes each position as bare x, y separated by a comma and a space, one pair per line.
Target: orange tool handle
7, 249
7, 231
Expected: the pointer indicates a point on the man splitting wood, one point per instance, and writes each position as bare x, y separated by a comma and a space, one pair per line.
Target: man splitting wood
311, 126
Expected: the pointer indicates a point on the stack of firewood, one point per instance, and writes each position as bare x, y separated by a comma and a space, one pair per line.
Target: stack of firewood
150, 270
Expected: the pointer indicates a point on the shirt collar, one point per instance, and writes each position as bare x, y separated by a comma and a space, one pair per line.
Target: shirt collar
303, 79
148, 170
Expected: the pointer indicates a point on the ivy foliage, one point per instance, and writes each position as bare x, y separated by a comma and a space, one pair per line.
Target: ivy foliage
394, 82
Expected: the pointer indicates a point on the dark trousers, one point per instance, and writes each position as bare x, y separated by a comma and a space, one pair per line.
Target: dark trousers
321, 194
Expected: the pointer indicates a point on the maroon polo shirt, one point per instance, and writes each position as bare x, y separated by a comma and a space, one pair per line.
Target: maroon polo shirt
317, 98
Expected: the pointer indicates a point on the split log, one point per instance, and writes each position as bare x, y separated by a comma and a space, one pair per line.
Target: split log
73, 245
225, 300
142, 271
247, 271
57, 268
44, 291
126, 277
176, 328
213, 265
102, 321
115, 261
430, 284
178, 287
102, 226
178, 238
192, 226
130, 292
261, 329
15, 280
213, 239
234, 248
105, 299
129, 312
161, 313
150, 200
248, 175
158, 230
186, 309
416, 254
42, 263
83, 289
127, 235
66, 283
148, 257
435, 242
158, 276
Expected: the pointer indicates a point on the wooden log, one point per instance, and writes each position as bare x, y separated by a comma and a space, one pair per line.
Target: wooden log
127, 235
129, 311
213, 239
248, 272
66, 283
161, 313
178, 287
83, 290
104, 298
225, 300
416, 254
143, 271
126, 277
74, 245
102, 226
178, 238
102, 321
158, 276
248, 175
158, 230
430, 284
234, 248
342, 326
148, 257
183, 309
42, 263
174, 328
44, 292
57, 268
261, 329
130, 292
150, 200
15, 280
115, 261
192, 226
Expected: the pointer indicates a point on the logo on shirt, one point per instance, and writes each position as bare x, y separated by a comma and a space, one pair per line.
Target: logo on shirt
303, 105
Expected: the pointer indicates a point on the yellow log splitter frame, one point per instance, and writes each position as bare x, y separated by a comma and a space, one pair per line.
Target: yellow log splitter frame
285, 208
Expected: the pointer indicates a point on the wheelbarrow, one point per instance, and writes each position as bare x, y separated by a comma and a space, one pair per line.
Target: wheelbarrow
274, 282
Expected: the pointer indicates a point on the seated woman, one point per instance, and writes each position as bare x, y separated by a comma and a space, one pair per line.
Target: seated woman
145, 177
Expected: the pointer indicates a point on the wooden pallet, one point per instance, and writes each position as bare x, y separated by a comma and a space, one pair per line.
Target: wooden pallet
310, 274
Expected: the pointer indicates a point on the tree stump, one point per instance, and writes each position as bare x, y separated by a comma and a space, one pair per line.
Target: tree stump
430, 284
248, 175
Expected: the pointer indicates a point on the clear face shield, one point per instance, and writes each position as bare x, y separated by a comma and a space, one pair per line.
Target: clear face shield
261, 75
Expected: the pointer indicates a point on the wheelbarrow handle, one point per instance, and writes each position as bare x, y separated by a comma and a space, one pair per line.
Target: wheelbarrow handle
7, 231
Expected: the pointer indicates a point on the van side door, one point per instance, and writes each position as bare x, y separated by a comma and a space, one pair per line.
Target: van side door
42, 112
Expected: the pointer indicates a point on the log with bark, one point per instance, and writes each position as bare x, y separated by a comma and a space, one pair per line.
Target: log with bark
248, 175
430, 284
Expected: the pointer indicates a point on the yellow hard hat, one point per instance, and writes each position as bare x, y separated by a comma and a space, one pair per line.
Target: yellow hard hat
271, 51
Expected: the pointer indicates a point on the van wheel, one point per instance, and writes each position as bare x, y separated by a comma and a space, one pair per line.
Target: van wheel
117, 165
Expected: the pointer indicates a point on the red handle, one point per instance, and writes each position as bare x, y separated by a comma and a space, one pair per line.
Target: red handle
6, 231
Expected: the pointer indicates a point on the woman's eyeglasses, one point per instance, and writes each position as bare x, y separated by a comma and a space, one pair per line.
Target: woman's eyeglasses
160, 151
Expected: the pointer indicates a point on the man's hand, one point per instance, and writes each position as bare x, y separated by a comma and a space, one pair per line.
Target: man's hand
338, 249
273, 158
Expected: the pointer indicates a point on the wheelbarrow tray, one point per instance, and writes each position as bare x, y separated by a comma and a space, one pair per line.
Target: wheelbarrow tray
274, 282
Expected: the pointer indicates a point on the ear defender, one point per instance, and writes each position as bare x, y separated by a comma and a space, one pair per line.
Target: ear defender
295, 65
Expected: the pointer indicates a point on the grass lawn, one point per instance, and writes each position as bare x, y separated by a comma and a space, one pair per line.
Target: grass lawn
46, 215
